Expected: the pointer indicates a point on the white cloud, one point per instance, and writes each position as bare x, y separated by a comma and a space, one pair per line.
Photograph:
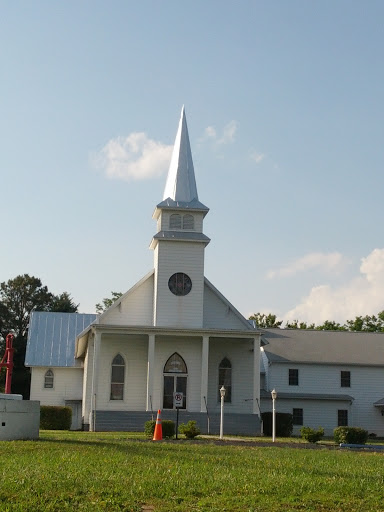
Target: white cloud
227, 135
327, 262
210, 132
363, 295
135, 157
257, 157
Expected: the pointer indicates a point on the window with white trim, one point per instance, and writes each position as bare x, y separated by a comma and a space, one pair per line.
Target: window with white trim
345, 379
342, 418
225, 379
117, 378
48, 379
297, 416
293, 377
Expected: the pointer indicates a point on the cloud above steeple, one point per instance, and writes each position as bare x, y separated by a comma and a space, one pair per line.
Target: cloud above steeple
135, 157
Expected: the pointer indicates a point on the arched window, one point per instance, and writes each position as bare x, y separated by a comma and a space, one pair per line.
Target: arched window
225, 379
188, 221
175, 379
117, 378
48, 379
175, 221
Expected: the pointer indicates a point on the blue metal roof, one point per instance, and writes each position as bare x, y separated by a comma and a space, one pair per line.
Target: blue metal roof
52, 337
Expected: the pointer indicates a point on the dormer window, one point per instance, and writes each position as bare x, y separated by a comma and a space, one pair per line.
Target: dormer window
175, 221
188, 221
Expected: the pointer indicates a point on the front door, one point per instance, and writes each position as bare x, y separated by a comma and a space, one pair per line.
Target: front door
173, 383
175, 379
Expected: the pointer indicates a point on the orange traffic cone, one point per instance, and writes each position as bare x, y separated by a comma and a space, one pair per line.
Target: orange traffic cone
158, 434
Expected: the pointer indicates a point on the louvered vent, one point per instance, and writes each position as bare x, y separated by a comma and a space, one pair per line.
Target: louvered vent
188, 222
175, 221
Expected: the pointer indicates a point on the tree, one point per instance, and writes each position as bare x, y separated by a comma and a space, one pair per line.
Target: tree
367, 323
18, 298
295, 324
266, 321
331, 326
107, 302
63, 303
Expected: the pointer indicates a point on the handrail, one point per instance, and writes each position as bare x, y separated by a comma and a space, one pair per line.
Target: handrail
206, 408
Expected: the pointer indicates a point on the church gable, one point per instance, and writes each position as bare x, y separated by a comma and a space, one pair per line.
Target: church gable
219, 312
135, 307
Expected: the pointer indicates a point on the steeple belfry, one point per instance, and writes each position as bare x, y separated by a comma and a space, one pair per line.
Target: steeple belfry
181, 182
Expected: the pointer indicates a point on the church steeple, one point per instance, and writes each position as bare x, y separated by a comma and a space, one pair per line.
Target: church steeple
181, 182
180, 188
179, 243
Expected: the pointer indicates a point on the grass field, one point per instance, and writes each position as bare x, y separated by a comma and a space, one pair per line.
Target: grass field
124, 472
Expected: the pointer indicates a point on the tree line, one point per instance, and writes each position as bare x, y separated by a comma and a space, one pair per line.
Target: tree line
367, 323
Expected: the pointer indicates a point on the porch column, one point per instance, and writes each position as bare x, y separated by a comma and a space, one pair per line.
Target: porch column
256, 375
150, 371
94, 386
204, 373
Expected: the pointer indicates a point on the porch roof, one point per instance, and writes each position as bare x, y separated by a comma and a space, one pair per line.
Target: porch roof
306, 396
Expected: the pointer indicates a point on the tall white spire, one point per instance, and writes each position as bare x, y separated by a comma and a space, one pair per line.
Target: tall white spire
181, 183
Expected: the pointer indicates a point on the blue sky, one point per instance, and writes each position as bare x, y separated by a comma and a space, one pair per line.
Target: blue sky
284, 104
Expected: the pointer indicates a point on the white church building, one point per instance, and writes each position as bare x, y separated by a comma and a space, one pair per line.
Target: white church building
173, 331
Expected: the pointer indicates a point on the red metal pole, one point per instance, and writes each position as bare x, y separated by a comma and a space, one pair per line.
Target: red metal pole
9, 364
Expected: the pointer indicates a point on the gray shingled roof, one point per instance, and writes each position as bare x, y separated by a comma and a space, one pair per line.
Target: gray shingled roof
324, 347
52, 336
182, 235
306, 396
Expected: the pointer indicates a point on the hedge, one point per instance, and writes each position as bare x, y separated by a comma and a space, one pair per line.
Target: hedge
168, 428
311, 435
350, 435
284, 424
53, 417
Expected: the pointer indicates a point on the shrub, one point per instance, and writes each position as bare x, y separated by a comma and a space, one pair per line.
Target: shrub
168, 428
149, 428
350, 435
311, 435
284, 424
190, 430
53, 417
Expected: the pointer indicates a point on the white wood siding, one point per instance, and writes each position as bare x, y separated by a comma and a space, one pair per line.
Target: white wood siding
240, 354
217, 314
67, 385
134, 350
135, 309
316, 413
172, 310
367, 387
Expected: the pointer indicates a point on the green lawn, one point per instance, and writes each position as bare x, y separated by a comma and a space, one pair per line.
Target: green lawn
108, 471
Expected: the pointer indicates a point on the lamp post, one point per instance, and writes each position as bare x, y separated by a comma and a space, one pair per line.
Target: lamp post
274, 396
222, 396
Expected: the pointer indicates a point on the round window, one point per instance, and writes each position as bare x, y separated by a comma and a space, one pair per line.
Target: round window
180, 284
